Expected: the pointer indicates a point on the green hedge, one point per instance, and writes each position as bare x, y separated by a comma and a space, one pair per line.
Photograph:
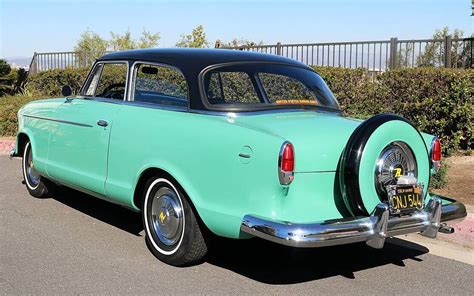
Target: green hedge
438, 101
49, 83
9, 106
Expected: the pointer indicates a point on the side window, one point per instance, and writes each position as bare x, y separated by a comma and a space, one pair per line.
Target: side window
160, 85
108, 81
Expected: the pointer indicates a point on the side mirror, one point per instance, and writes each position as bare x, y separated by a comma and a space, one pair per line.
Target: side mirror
66, 91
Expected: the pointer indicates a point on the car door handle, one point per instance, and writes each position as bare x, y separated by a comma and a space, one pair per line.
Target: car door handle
102, 123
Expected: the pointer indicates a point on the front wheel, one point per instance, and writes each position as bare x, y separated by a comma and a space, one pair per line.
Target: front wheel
37, 185
172, 230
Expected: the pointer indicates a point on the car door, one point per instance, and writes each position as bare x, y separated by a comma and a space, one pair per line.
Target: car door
78, 146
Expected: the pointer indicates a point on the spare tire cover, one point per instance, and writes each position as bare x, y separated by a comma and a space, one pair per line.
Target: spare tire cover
359, 160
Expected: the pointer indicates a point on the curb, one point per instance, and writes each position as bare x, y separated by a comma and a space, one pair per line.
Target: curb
6, 146
463, 232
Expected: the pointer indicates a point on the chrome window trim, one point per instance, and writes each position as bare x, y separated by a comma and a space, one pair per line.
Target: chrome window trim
131, 92
156, 106
260, 112
89, 77
217, 108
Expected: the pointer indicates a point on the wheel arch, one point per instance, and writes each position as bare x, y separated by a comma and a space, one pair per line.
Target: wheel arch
155, 171
21, 139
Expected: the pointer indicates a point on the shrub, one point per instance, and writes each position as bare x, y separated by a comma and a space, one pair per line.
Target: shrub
49, 83
440, 180
438, 101
9, 107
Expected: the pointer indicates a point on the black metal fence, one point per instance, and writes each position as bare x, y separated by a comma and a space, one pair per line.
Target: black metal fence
375, 56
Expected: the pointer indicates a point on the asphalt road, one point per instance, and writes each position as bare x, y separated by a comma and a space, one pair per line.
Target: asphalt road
74, 243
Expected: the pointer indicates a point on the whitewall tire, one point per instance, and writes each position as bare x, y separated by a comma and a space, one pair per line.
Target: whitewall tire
172, 230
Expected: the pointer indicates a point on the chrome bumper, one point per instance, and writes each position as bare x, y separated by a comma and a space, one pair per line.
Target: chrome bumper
373, 229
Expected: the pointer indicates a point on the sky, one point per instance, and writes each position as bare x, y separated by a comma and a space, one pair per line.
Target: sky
28, 26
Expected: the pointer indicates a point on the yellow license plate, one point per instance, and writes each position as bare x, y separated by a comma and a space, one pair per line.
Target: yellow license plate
407, 198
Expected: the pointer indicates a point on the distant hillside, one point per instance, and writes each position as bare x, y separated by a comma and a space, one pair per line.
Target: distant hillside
19, 62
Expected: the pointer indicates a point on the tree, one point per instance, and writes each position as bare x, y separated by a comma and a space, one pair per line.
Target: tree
90, 46
434, 51
403, 57
196, 39
121, 42
11, 80
238, 43
5, 80
148, 39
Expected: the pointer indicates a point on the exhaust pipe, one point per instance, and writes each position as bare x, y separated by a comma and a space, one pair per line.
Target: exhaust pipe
444, 228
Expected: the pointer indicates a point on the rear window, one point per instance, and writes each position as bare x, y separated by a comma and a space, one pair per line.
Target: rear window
266, 85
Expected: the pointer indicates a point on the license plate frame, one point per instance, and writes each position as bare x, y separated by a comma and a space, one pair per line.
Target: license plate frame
405, 198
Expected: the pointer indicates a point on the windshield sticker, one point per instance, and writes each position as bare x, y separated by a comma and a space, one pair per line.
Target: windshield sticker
296, 102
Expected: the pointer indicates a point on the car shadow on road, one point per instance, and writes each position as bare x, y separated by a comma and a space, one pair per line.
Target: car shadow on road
269, 263
102, 210
258, 259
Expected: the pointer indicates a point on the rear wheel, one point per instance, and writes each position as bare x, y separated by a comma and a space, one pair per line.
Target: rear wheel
37, 185
173, 233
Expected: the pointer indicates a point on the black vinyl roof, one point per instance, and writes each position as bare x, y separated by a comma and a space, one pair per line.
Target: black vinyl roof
196, 59
191, 62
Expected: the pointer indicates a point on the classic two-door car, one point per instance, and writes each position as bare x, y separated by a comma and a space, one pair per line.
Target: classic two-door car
233, 144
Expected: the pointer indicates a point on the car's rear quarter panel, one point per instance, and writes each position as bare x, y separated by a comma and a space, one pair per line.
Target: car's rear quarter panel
201, 153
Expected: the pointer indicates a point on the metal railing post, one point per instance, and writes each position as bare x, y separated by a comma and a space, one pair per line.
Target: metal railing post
447, 51
33, 64
278, 47
393, 53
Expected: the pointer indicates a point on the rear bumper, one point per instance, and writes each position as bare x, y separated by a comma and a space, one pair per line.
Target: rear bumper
373, 229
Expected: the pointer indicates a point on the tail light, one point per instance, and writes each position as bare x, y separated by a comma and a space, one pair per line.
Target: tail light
436, 154
286, 163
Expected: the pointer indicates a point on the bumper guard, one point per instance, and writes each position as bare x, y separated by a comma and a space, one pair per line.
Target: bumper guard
373, 229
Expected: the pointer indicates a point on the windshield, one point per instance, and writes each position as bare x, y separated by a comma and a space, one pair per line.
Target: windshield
266, 86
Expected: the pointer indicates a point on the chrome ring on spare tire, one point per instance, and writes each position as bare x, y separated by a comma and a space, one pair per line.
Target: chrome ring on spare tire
32, 177
395, 160
167, 216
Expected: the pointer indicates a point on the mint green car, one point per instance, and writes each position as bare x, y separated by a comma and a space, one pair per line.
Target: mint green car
233, 144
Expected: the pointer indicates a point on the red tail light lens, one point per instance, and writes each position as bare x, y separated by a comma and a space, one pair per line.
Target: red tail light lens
436, 154
286, 163
436, 150
288, 158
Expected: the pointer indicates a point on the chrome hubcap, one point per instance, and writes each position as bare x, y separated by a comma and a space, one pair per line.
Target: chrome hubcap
395, 161
32, 175
167, 216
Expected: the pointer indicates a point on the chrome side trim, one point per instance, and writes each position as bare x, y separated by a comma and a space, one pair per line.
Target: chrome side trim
58, 120
373, 229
